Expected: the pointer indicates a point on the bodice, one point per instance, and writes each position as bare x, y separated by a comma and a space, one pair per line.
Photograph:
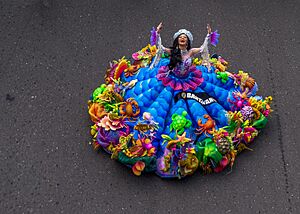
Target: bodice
182, 69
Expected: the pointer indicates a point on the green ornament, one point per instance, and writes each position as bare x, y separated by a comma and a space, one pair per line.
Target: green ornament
223, 76
179, 122
99, 91
208, 149
261, 122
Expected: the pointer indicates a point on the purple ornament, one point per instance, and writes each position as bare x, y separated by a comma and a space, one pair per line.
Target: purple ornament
105, 138
214, 38
247, 112
153, 38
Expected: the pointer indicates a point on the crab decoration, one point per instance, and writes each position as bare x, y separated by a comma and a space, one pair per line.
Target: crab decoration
207, 127
130, 108
220, 66
219, 63
179, 122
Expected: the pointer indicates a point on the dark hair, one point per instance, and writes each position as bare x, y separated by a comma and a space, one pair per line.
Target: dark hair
176, 53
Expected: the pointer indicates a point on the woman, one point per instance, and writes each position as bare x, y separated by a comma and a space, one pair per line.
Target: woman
182, 44
180, 65
169, 113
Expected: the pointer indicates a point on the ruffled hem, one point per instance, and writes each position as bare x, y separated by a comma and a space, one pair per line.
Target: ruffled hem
190, 82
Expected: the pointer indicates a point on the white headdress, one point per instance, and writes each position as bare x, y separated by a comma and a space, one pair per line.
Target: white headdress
186, 32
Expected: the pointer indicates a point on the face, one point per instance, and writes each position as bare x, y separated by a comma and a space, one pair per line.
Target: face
183, 40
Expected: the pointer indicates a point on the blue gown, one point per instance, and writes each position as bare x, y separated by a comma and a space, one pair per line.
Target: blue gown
188, 125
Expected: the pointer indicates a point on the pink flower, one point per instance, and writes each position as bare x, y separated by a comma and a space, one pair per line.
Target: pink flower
266, 113
109, 124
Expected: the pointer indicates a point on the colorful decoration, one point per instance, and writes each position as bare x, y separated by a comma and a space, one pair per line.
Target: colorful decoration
116, 69
196, 116
223, 76
207, 150
206, 127
153, 38
138, 167
214, 38
189, 163
130, 108
180, 141
179, 122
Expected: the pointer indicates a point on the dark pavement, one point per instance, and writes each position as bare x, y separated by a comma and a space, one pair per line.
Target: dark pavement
54, 53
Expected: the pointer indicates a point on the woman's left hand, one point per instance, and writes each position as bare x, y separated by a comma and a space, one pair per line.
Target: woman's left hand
208, 29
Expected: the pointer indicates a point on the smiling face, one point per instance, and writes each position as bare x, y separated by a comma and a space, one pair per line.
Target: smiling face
182, 40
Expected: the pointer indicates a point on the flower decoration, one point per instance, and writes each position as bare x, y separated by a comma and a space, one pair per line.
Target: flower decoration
138, 167
111, 122
96, 111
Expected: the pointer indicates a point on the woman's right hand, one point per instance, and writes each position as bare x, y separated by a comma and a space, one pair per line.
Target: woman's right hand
159, 27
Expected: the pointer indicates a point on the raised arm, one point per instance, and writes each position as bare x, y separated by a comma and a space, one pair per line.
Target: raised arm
195, 51
156, 39
204, 46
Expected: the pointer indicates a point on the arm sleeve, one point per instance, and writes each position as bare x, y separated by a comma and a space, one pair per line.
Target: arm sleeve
205, 53
205, 44
160, 47
156, 40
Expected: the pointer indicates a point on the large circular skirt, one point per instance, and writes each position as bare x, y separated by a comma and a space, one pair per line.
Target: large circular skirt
154, 121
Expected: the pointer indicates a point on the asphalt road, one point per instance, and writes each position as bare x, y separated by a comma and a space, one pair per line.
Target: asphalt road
54, 53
